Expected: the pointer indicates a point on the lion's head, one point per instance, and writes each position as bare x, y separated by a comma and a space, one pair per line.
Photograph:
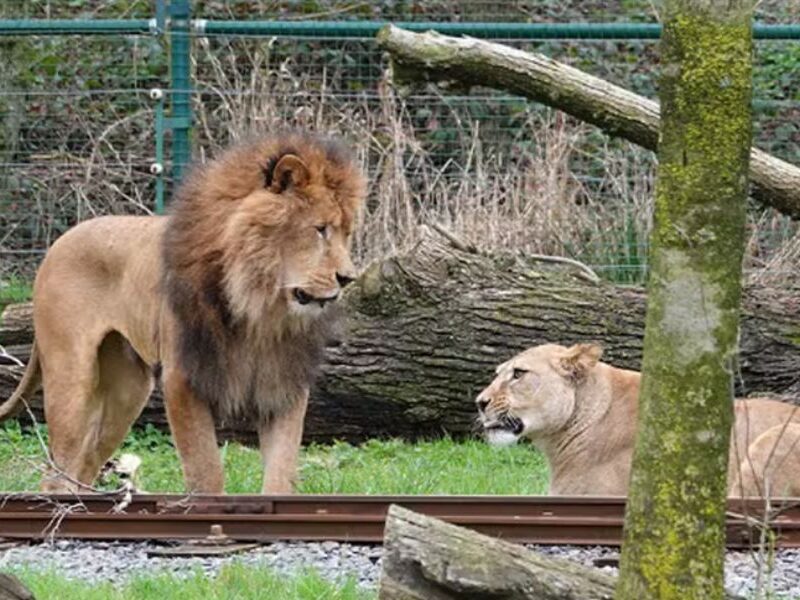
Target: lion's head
264, 230
256, 250
534, 393
304, 213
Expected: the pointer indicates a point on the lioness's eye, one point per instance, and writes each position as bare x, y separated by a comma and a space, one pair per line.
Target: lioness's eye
518, 373
322, 230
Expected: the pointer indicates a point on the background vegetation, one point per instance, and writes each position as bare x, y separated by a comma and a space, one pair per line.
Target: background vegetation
77, 135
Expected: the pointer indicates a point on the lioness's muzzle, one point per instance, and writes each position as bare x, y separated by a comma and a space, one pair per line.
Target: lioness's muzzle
506, 423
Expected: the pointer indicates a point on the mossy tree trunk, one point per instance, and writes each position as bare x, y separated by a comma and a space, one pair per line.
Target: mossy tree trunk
674, 540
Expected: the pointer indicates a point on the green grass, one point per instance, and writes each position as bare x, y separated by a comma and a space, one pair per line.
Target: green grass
376, 467
235, 582
14, 290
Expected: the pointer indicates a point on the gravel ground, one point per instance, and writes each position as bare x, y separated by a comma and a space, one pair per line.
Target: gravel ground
116, 561
741, 569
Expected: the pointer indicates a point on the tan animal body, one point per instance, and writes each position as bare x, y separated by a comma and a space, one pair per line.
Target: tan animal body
229, 299
582, 414
771, 467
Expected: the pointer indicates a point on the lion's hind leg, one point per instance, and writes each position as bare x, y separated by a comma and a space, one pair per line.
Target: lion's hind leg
90, 413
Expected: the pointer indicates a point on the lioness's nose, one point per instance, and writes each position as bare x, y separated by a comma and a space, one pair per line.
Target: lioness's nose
344, 279
482, 403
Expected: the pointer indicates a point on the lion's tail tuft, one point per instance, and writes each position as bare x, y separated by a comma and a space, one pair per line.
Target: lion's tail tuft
28, 385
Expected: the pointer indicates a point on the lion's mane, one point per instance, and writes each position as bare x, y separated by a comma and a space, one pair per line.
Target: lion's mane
238, 351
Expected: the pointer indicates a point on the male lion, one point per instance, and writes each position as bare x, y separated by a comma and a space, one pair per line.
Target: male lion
229, 299
581, 413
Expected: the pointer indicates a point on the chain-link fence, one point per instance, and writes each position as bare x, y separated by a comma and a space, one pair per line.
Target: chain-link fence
79, 135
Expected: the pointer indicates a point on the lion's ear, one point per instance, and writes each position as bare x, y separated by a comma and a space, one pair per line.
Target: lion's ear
290, 170
579, 360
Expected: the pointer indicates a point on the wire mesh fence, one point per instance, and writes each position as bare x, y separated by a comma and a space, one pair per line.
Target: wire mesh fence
78, 137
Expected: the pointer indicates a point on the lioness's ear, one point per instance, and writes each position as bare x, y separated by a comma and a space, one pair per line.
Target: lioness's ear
290, 170
579, 360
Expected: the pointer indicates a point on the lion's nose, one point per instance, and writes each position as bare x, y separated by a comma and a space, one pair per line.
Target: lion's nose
482, 403
344, 279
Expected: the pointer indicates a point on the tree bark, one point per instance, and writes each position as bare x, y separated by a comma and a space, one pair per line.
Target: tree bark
428, 559
427, 328
466, 61
674, 546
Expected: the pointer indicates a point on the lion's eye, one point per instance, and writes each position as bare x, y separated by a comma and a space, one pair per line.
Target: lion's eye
518, 373
322, 230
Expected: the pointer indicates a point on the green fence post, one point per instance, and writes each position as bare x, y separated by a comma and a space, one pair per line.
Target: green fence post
157, 168
157, 96
181, 117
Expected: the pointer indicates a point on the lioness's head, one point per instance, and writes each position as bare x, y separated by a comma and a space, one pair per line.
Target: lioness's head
267, 226
534, 392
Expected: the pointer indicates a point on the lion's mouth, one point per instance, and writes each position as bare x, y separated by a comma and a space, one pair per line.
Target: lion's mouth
506, 423
304, 298
505, 431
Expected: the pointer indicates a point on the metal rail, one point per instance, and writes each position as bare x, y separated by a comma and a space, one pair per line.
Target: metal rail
536, 519
367, 29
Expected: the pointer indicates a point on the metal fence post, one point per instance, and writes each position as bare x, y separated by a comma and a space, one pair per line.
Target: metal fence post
157, 168
181, 115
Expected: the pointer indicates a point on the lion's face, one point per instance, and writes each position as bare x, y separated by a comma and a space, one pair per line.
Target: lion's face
316, 263
534, 392
289, 241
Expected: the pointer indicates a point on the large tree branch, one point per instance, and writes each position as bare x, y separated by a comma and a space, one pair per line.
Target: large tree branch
619, 112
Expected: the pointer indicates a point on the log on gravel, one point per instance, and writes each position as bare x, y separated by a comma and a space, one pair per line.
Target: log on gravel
428, 327
427, 559
470, 62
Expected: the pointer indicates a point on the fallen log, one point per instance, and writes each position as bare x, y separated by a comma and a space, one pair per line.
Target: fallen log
427, 559
468, 61
427, 328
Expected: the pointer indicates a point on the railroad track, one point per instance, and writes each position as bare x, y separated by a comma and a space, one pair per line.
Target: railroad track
530, 519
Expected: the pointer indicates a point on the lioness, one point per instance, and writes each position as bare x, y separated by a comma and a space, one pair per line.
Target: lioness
582, 414
772, 464
228, 299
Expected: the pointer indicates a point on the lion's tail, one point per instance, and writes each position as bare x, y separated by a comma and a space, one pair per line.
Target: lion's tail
28, 385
